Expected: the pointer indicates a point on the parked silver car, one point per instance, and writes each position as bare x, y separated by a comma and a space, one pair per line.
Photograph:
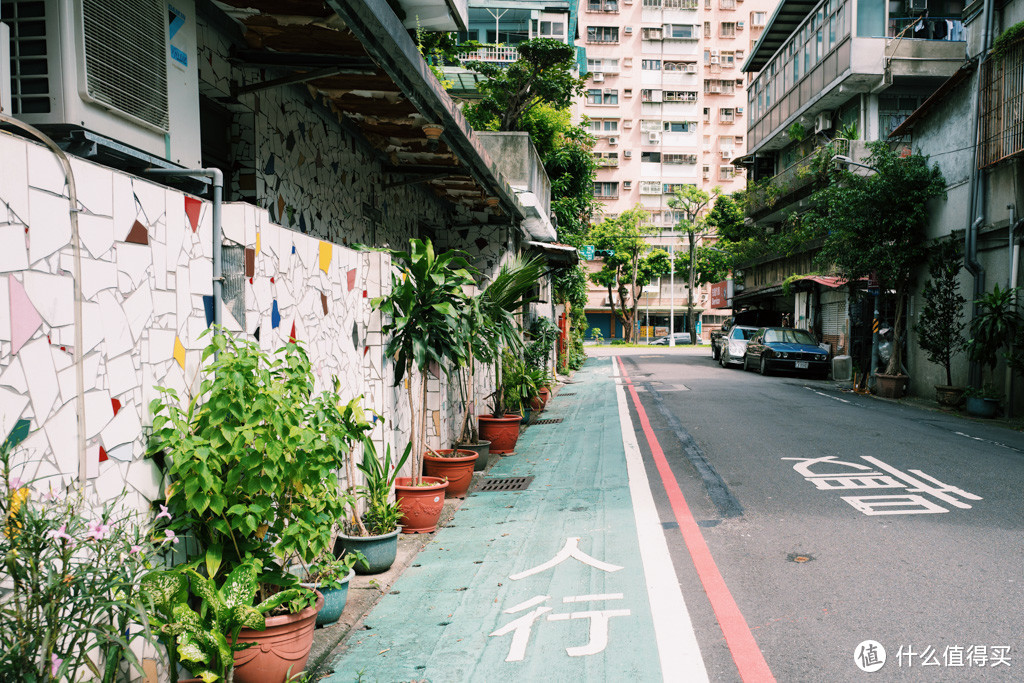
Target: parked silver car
734, 345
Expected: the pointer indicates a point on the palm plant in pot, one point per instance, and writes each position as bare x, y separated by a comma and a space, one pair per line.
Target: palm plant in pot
502, 298
252, 461
374, 533
997, 322
425, 327
941, 324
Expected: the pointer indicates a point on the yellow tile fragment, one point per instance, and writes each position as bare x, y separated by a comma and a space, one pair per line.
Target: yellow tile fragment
325, 256
179, 352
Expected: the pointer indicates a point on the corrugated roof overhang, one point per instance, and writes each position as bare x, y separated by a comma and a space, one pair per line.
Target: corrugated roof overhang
560, 254
786, 19
357, 57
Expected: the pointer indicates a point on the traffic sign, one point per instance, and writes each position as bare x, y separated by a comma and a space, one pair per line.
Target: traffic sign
587, 252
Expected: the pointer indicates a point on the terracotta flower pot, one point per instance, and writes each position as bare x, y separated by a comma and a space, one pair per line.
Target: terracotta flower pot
890, 386
458, 470
949, 397
421, 505
502, 432
281, 650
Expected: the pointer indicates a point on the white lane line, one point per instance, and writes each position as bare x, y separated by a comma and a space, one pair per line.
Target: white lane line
678, 650
595, 597
988, 441
822, 393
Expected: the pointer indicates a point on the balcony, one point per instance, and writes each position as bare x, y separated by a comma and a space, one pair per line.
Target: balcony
797, 181
604, 162
495, 54
1002, 127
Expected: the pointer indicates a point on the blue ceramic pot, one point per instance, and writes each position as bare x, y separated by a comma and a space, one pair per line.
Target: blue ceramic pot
380, 551
334, 601
979, 406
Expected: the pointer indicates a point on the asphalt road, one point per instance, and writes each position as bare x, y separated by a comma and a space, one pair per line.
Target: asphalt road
942, 580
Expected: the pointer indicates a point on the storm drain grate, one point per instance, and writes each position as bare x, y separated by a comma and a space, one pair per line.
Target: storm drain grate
548, 421
565, 393
505, 484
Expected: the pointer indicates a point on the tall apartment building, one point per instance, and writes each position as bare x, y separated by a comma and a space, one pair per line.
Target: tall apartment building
666, 99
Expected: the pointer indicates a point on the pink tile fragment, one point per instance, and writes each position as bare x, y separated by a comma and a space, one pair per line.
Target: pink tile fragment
25, 319
351, 279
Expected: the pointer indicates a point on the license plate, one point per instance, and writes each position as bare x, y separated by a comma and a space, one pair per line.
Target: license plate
801, 365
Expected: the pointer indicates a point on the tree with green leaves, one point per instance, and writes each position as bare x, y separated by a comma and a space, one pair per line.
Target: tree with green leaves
542, 74
693, 202
876, 223
941, 323
631, 262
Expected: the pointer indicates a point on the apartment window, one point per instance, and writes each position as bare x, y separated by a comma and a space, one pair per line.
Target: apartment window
606, 96
680, 4
602, 5
670, 188
650, 157
602, 34
649, 95
727, 115
651, 65
707, 114
728, 59
707, 29
627, 185
679, 159
687, 67
552, 29
606, 190
728, 29
650, 187
679, 96
719, 87
652, 3
726, 172
682, 31
758, 19
651, 33
679, 126
727, 4
647, 125
598, 126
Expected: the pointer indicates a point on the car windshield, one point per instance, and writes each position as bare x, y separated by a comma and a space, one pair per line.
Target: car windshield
741, 333
789, 336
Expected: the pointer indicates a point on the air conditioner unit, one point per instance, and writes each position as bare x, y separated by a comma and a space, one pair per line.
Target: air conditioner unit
739, 25
627, 153
823, 121
628, 30
628, 123
654, 137
598, 77
715, 59
726, 153
739, 111
916, 7
613, 140
137, 87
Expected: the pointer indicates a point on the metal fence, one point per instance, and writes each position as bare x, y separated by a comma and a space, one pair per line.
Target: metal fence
1002, 106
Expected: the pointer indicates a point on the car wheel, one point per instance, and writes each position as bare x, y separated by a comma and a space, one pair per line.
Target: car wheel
746, 365
722, 360
715, 353
763, 368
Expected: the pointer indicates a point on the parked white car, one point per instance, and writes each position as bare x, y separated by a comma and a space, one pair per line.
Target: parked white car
734, 345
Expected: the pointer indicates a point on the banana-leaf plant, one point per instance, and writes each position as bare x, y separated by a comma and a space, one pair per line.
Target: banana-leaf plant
204, 641
426, 325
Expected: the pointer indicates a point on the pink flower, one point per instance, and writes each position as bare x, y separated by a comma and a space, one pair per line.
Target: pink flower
15, 483
164, 512
98, 531
58, 534
170, 536
55, 663
135, 549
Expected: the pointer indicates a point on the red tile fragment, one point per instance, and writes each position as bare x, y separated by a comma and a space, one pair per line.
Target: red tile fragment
192, 208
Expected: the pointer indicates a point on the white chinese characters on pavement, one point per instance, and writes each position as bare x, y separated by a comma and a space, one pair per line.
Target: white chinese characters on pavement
828, 473
522, 627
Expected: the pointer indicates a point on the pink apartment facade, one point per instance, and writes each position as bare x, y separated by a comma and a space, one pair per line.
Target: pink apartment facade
666, 100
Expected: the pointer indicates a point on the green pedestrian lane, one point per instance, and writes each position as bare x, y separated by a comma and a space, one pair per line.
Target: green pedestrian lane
567, 580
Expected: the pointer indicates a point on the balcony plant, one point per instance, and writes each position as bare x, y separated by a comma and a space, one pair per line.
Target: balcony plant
374, 534
941, 324
330, 577
252, 461
426, 327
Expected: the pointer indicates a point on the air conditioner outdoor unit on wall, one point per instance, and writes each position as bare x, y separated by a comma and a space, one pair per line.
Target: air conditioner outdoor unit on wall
916, 6
628, 153
654, 137
123, 70
823, 121
613, 141
598, 77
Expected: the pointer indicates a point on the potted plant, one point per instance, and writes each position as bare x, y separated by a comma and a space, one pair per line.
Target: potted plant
940, 327
492, 330
252, 462
330, 577
995, 325
374, 534
208, 641
426, 326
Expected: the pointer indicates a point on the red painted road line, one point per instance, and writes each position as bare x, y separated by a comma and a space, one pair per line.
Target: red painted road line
744, 649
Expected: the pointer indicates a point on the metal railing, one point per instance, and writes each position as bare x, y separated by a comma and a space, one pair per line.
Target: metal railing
797, 176
1002, 106
493, 53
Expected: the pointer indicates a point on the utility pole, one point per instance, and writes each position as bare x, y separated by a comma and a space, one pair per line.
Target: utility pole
672, 295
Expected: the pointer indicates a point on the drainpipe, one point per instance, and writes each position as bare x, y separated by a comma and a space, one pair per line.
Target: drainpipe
217, 178
977, 193
1015, 239
76, 251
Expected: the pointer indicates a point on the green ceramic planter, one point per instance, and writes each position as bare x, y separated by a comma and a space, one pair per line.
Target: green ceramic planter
380, 551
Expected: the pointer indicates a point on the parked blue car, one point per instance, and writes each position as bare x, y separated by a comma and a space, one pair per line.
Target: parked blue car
784, 349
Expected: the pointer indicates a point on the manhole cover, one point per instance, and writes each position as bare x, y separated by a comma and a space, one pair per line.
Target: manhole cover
505, 484
548, 421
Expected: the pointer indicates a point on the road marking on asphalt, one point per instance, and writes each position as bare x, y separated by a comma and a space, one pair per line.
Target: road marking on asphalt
744, 648
678, 650
988, 441
822, 393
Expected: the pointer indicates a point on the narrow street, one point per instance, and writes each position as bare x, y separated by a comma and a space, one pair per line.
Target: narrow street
702, 542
